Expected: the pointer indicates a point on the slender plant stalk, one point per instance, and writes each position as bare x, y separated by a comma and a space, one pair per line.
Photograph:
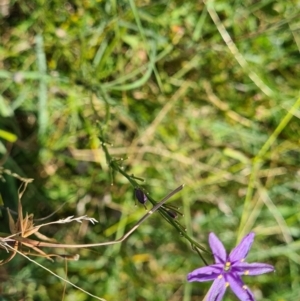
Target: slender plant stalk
257, 162
59, 277
35, 244
114, 166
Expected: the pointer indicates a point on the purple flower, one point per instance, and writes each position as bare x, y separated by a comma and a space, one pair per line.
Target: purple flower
227, 270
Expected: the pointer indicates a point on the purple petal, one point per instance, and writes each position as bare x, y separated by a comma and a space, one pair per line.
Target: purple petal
217, 290
208, 273
239, 288
251, 269
217, 248
241, 250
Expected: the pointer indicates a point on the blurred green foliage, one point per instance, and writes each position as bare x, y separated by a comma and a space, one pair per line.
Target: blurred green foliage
175, 100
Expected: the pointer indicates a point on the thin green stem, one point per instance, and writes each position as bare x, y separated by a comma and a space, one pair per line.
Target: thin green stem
114, 165
257, 161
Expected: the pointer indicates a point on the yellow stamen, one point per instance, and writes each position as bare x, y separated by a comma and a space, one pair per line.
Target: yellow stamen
245, 287
227, 266
227, 284
246, 272
220, 277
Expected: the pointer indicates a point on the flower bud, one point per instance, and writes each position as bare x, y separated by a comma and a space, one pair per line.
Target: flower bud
172, 213
140, 195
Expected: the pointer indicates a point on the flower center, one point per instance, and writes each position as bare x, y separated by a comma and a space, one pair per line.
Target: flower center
227, 266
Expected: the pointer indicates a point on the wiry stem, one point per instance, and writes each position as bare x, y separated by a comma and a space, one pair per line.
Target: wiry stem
34, 243
113, 164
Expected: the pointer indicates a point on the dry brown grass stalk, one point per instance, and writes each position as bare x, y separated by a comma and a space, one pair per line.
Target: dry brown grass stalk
24, 227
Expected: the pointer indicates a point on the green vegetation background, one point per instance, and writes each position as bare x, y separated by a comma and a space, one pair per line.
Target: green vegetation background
185, 104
